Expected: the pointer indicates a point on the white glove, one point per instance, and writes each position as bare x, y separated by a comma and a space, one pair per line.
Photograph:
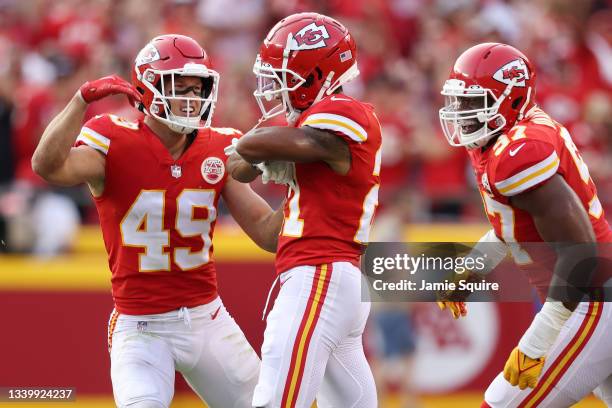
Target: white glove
280, 172
231, 149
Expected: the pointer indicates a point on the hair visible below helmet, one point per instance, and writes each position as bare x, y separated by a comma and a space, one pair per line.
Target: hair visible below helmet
166, 57
304, 58
504, 81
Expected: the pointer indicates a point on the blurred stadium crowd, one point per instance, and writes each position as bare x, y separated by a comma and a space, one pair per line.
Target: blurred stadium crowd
406, 48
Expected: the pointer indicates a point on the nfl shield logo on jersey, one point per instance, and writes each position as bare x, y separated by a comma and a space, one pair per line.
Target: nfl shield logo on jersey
213, 170
176, 171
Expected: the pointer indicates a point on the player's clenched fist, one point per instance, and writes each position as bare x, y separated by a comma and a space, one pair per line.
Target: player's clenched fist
523, 370
109, 85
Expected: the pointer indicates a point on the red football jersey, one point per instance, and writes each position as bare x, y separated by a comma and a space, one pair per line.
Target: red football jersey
533, 151
328, 216
158, 214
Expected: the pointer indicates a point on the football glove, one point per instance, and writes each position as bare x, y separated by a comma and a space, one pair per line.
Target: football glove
457, 309
522, 370
231, 148
454, 300
279, 172
109, 85
495, 250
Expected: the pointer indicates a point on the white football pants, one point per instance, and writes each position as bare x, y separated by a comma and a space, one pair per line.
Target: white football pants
579, 361
203, 343
313, 341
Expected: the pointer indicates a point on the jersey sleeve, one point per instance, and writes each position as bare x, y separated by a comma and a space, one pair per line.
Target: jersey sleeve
524, 165
223, 137
341, 115
96, 133
227, 132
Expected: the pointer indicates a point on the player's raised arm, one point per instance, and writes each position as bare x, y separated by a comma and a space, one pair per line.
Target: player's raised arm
300, 145
253, 214
55, 159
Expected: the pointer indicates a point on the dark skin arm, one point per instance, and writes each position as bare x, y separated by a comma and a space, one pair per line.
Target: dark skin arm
241, 170
299, 145
561, 219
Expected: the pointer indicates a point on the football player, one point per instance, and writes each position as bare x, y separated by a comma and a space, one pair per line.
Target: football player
535, 188
313, 339
156, 184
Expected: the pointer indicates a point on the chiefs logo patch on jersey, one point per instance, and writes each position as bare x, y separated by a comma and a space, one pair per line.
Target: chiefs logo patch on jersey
309, 38
513, 71
213, 170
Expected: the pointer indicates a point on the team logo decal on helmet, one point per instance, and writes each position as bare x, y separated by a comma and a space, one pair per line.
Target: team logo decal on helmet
148, 54
212, 169
310, 37
304, 58
514, 71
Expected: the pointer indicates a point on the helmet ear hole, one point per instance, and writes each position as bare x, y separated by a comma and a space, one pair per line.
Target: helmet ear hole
140, 106
319, 73
517, 102
311, 78
309, 81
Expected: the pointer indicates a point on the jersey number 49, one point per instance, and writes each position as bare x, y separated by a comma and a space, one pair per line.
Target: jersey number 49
143, 227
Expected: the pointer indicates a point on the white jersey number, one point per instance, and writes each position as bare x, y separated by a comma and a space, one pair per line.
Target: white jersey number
293, 225
369, 205
142, 227
506, 219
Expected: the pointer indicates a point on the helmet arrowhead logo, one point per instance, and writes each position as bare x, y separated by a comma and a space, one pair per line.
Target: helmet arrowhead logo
146, 55
515, 70
311, 37
512, 73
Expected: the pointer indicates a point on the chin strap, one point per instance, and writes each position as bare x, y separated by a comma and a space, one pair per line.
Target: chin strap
286, 101
325, 87
521, 114
292, 116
